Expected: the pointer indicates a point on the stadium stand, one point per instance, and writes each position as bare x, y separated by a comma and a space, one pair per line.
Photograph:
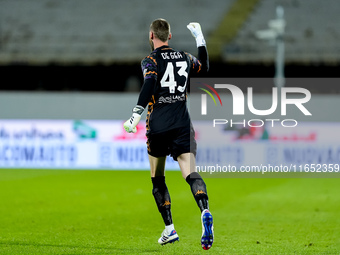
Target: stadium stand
311, 35
90, 32
106, 31
82, 45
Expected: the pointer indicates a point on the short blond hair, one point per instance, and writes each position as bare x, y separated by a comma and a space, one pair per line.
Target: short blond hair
161, 29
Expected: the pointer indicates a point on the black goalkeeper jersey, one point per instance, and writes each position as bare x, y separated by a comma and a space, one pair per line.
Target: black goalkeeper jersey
167, 70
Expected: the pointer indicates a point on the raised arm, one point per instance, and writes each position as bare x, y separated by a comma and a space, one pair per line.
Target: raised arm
203, 58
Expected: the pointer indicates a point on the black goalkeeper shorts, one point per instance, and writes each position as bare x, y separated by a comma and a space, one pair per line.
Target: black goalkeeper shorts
173, 142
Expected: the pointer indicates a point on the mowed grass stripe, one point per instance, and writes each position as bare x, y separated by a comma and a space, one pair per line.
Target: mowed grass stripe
113, 212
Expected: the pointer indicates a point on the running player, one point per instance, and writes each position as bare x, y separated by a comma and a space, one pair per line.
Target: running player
169, 129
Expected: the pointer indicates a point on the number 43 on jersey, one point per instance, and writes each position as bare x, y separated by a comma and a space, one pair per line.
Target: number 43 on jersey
168, 79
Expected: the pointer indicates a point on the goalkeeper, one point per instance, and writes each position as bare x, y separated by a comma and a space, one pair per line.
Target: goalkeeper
169, 129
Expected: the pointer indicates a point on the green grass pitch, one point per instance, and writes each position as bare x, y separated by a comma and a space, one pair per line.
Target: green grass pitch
113, 212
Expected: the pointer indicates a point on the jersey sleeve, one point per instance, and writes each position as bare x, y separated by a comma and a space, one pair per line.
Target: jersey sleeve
196, 65
146, 92
200, 64
149, 68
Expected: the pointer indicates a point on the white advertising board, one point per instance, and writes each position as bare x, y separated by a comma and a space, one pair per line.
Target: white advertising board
96, 144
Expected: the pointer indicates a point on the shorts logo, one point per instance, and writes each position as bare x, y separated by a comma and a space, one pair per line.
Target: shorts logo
204, 98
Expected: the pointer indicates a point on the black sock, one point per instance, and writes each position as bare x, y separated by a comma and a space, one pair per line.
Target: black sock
199, 190
162, 198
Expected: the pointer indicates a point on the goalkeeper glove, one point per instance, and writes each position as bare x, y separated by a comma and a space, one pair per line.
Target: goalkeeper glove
130, 124
196, 32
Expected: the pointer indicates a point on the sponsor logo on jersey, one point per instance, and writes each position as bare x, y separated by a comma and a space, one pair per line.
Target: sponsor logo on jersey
172, 99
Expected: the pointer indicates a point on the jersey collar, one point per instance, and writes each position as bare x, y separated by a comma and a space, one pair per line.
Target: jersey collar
162, 47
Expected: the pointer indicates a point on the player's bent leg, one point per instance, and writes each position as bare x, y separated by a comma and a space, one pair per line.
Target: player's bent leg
187, 164
199, 190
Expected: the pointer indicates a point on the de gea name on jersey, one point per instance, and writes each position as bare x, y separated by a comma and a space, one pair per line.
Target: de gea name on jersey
171, 55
